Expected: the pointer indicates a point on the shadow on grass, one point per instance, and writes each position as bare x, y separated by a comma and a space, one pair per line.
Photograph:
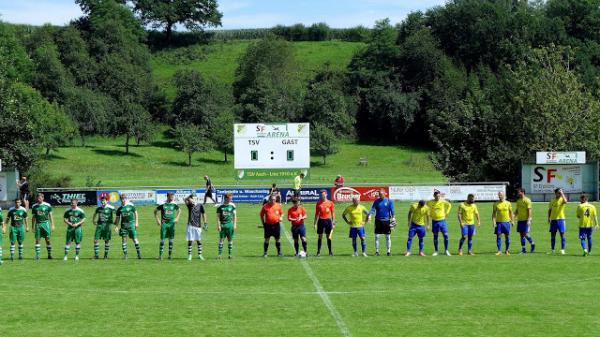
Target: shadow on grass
116, 153
53, 156
163, 144
177, 163
317, 163
212, 161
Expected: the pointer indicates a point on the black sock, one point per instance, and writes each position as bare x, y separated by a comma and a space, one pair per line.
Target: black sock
296, 246
265, 247
304, 246
319, 243
329, 245
278, 245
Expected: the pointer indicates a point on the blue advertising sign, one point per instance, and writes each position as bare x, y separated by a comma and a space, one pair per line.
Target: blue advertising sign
180, 195
137, 197
244, 195
311, 194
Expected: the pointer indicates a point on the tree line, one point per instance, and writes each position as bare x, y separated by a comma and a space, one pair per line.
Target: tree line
483, 84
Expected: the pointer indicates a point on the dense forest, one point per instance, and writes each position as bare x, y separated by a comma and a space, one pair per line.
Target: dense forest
483, 84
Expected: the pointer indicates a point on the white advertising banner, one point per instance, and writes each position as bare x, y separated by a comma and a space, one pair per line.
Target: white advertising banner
547, 178
271, 146
449, 192
574, 157
3, 187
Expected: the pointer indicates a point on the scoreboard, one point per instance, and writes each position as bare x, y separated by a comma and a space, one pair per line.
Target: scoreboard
271, 146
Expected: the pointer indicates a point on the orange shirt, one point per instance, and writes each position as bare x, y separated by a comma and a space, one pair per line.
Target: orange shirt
273, 213
324, 209
296, 213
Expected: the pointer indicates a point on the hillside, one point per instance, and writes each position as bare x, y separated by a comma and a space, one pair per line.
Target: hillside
219, 60
159, 164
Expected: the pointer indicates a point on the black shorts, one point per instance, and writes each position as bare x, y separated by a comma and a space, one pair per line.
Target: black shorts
272, 231
382, 227
296, 193
324, 225
208, 193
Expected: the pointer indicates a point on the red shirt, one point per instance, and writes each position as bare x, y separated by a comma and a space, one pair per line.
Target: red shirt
273, 213
296, 213
324, 209
339, 182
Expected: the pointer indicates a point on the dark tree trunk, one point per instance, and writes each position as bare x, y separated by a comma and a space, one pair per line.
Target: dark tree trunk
189, 159
127, 144
225, 152
82, 140
47, 152
169, 32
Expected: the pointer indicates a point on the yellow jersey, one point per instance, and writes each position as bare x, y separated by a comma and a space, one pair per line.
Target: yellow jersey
419, 215
503, 211
439, 209
557, 208
523, 206
586, 213
355, 215
467, 213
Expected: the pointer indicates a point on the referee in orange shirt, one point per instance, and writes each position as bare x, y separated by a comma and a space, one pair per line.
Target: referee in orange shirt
324, 221
271, 215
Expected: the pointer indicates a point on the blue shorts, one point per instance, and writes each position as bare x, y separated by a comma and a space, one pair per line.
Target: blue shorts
324, 225
585, 232
298, 231
439, 226
420, 231
502, 228
357, 231
523, 226
272, 231
558, 226
467, 230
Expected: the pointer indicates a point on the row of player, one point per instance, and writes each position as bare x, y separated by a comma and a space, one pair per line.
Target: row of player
422, 216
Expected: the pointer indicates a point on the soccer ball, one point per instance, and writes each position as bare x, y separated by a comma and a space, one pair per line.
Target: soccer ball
302, 254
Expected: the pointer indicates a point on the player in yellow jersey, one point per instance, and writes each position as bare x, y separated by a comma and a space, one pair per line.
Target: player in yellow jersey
502, 220
524, 214
356, 215
556, 220
588, 220
467, 213
439, 210
418, 220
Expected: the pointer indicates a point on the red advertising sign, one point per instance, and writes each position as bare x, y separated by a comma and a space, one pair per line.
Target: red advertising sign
345, 194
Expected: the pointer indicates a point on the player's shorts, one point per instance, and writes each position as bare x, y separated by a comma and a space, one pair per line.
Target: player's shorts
74, 234
502, 228
324, 226
227, 232
167, 231
298, 231
208, 193
17, 234
43, 230
585, 232
414, 229
296, 193
193, 233
103, 232
559, 225
273, 230
439, 226
128, 231
356, 231
382, 227
523, 226
467, 230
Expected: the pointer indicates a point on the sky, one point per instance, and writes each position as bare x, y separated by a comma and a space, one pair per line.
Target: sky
243, 13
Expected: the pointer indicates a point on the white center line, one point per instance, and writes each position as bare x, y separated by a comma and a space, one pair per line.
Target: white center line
322, 293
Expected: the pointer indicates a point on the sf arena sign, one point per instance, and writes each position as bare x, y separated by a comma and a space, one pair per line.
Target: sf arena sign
561, 158
449, 192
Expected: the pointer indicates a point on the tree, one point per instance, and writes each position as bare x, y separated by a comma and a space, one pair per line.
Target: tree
222, 134
192, 14
323, 141
50, 76
91, 112
266, 88
190, 139
325, 104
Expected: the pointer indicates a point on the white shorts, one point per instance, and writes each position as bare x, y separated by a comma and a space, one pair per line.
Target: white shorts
193, 233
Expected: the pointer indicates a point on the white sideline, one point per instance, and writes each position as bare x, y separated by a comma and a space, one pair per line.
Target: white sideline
322, 293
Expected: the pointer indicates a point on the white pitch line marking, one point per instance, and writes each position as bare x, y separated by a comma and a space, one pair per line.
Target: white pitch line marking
322, 293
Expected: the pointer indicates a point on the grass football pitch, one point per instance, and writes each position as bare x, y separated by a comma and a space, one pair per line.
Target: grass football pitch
483, 295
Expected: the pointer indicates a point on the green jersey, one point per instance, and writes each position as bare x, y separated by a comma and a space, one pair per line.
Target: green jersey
17, 216
105, 215
127, 214
41, 212
168, 212
74, 215
225, 213
1, 217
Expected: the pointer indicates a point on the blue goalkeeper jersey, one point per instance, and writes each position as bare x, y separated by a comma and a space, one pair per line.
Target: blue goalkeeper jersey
383, 209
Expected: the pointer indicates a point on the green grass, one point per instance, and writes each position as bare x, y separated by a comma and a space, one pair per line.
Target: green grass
484, 295
220, 60
162, 165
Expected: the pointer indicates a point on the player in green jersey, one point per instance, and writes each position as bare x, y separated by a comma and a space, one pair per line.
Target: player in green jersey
17, 217
169, 216
226, 224
103, 220
127, 225
74, 218
42, 223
